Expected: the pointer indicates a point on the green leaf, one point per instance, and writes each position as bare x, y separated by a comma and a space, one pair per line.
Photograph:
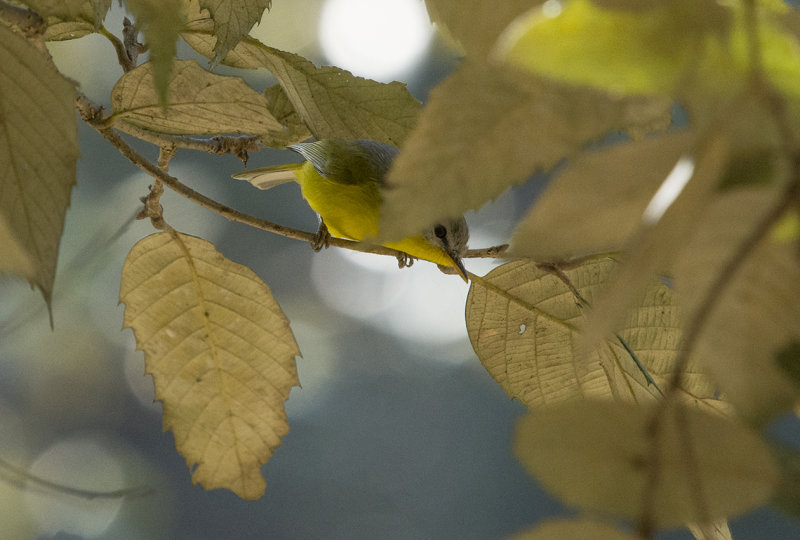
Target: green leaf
161, 21
199, 34
476, 24
597, 202
486, 128
221, 354
599, 455
525, 323
295, 130
571, 530
199, 103
233, 19
38, 155
332, 102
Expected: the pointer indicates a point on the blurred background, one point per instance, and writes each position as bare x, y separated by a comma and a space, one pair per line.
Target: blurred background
398, 432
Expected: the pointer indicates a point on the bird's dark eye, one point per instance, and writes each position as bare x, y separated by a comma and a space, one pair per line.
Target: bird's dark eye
440, 231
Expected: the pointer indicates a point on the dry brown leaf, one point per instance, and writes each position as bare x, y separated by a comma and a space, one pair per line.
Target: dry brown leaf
221, 354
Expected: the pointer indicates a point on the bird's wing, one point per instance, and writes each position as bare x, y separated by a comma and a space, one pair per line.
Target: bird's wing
348, 161
269, 177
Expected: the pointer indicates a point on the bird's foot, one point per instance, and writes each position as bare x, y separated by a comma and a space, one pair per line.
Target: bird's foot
405, 260
322, 239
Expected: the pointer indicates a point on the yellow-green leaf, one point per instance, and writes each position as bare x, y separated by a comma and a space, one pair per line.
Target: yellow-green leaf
199, 103
221, 354
696, 50
524, 324
486, 128
596, 204
161, 21
233, 19
38, 153
332, 102
646, 51
476, 24
572, 530
599, 455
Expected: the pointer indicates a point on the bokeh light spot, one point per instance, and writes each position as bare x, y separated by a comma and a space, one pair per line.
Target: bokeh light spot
378, 39
82, 464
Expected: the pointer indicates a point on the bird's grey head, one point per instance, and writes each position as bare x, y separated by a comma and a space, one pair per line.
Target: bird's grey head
452, 236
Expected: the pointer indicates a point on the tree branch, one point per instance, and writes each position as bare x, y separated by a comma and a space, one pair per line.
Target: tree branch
238, 145
92, 115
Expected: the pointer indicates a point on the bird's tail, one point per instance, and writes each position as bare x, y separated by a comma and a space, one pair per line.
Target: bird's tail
269, 177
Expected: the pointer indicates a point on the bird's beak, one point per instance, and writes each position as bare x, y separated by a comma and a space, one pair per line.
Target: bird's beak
459, 266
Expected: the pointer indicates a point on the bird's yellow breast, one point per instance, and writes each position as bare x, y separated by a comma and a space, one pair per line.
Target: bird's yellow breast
353, 210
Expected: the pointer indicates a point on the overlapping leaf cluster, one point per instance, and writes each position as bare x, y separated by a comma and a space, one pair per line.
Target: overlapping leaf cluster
216, 342
699, 295
652, 341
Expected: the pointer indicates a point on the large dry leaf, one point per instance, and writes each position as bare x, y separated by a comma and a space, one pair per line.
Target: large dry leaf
332, 102
70, 19
38, 153
525, 323
476, 24
597, 202
70, 10
221, 354
486, 128
15, 259
233, 19
598, 455
199, 103
754, 320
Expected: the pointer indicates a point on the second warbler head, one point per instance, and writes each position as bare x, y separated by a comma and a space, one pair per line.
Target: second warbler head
342, 180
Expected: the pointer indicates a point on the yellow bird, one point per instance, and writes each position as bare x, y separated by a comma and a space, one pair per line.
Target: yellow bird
342, 180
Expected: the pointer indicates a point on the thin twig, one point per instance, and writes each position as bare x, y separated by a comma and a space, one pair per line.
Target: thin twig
238, 145
22, 478
122, 56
